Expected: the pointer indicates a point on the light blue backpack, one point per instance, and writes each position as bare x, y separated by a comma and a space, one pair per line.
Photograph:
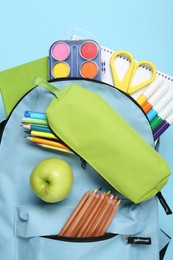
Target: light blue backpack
29, 226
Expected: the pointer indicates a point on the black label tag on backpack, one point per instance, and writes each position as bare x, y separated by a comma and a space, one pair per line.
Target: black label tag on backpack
138, 240
164, 203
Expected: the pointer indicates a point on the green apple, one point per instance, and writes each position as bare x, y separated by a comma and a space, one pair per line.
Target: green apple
52, 179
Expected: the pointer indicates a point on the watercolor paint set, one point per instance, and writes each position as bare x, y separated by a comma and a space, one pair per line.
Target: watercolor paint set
75, 58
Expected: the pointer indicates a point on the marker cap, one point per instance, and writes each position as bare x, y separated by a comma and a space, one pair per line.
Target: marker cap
156, 122
151, 114
146, 107
160, 129
141, 99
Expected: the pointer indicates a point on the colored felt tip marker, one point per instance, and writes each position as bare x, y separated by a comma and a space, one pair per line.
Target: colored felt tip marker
149, 91
163, 127
159, 106
35, 115
168, 109
157, 95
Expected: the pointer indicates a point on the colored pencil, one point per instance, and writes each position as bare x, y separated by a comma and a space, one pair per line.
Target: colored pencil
88, 230
42, 128
55, 148
76, 223
34, 121
83, 230
75, 212
102, 214
109, 219
43, 134
47, 142
100, 220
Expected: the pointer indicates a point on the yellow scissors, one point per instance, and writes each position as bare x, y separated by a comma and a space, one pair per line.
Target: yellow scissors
125, 84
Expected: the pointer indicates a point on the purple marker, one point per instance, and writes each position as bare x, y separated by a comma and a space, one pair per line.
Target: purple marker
163, 126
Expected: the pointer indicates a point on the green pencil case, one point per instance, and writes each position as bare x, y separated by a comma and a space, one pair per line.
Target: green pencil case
85, 122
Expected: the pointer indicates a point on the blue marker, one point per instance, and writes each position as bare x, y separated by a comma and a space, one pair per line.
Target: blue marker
35, 115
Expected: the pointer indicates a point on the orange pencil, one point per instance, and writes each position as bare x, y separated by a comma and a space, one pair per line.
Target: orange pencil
75, 212
83, 213
47, 142
91, 225
83, 230
109, 219
105, 212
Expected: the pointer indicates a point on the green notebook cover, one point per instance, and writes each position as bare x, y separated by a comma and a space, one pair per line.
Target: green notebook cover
17, 81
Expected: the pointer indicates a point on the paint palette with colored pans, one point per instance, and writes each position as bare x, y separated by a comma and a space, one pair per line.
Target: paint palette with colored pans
75, 58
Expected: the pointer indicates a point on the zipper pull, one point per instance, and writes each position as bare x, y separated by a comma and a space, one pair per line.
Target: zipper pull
137, 240
164, 203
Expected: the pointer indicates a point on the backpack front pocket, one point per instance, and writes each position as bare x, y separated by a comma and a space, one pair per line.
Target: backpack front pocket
37, 228
43, 248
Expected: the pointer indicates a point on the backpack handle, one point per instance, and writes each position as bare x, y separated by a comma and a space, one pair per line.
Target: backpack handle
42, 83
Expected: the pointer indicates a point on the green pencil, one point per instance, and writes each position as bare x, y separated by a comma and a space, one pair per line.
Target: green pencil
34, 121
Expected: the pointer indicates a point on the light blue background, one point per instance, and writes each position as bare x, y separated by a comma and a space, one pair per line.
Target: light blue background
28, 28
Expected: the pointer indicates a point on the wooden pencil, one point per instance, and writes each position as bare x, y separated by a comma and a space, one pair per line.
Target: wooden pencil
34, 121
84, 229
93, 220
78, 220
104, 213
47, 142
109, 219
74, 213
55, 148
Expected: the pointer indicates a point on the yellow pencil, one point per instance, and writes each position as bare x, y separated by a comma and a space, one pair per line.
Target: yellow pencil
43, 134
